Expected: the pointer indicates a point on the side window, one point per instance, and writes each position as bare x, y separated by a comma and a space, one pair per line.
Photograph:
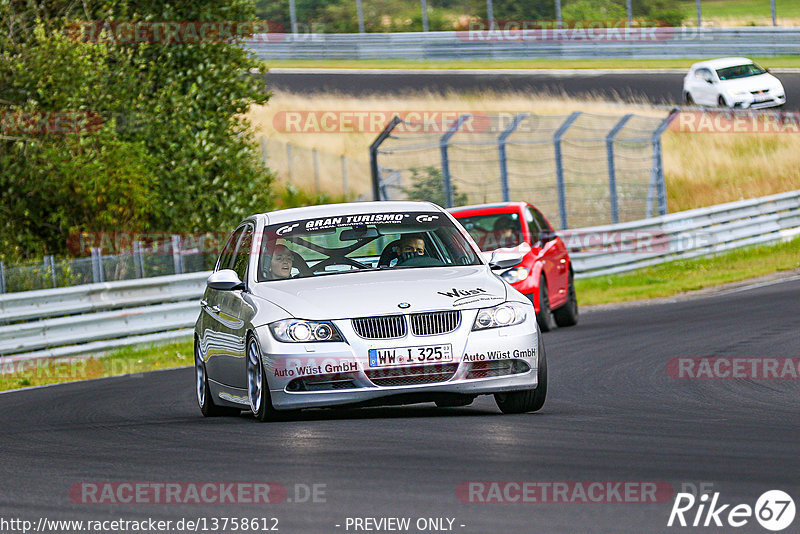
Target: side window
243, 253
226, 256
533, 225
541, 221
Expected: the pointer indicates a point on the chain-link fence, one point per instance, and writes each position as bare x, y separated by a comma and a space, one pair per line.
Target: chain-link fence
580, 169
142, 260
316, 170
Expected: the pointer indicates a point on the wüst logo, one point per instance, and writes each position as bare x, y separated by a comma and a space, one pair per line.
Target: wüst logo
455, 293
774, 510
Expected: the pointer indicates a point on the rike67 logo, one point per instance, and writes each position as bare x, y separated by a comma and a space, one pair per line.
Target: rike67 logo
774, 510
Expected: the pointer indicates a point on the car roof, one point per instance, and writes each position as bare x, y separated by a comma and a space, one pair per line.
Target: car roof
349, 208
494, 207
723, 62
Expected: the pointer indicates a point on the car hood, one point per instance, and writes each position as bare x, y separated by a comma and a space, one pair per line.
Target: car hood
363, 294
751, 83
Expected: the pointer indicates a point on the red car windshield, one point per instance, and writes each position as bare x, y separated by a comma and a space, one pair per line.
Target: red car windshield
498, 230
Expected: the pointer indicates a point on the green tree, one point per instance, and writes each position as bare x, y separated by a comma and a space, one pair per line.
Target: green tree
427, 184
170, 149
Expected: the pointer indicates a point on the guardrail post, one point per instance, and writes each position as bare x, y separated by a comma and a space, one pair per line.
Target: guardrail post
612, 171
501, 149
373, 157
562, 191
2, 278
344, 174
658, 188
315, 159
264, 151
97, 265
289, 161
50, 265
138, 259
443, 143
177, 257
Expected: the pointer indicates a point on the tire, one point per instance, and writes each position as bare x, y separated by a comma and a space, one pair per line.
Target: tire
567, 315
545, 315
688, 100
258, 387
204, 397
454, 402
528, 400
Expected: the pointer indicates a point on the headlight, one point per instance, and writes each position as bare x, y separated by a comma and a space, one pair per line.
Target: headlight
512, 276
507, 314
301, 331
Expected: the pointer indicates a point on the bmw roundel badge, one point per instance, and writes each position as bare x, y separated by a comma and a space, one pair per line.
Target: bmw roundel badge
404, 305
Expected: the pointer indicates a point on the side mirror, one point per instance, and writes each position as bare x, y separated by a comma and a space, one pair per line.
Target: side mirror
504, 261
225, 280
545, 236
709, 81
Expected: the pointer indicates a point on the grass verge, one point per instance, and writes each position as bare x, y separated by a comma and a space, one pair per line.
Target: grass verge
621, 63
680, 276
129, 360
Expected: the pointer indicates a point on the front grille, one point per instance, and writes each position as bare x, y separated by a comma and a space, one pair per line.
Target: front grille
407, 376
492, 368
433, 323
383, 327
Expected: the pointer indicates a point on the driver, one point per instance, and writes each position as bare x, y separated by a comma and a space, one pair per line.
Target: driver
505, 232
412, 245
280, 264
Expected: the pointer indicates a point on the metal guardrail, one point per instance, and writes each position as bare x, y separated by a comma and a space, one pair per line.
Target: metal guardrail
617, 248
683, 42
99, 317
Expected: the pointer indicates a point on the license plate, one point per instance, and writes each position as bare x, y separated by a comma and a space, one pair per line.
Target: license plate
761, 98
410, 355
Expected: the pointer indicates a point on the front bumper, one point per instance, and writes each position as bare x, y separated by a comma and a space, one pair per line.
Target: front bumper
344, 368
767, 100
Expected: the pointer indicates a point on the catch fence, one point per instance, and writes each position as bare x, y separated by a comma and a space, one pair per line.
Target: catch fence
580, 169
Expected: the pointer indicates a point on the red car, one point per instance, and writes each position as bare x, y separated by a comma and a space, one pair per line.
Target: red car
545, 275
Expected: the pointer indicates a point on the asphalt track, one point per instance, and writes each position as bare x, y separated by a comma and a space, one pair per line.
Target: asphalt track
612, 414
664, 88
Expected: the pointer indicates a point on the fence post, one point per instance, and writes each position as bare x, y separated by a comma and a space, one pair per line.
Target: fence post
344, 174
501, 149
50, 265
138, 259
562, 192
315, 159
289, 160
2, 278
177, 257
373, 156
264, 151
443, 143
97, 265
612, 171
658, 188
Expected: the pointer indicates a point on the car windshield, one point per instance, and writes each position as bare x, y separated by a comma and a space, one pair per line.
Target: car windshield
363, 241
739, 71
490, 232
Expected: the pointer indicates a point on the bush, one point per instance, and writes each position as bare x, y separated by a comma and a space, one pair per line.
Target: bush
427, 184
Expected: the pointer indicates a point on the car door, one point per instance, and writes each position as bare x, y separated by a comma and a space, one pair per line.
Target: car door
706, 92
233, 366
553, 254
216, 337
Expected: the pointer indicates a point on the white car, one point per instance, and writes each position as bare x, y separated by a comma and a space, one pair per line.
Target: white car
362, 304
732, 82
